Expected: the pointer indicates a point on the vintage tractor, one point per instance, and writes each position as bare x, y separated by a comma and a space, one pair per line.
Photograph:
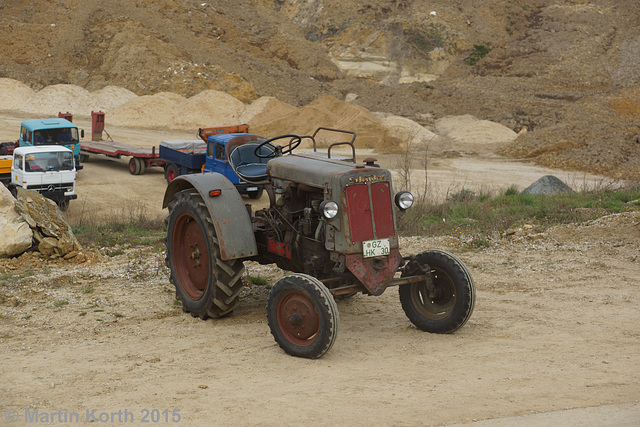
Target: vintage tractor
330, 221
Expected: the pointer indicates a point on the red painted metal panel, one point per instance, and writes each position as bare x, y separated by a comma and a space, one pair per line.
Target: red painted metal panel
360, 223
374, 273
382, 209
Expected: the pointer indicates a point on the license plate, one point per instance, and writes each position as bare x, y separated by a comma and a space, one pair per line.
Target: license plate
371, 248
252, 188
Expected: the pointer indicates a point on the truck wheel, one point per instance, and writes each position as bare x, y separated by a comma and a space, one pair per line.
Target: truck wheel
63, 204
141, 166
171, 172
255, 194
451, 306
207, 285
303, 316
133, 166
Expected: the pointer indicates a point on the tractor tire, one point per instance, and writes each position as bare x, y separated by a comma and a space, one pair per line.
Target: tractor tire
171, 172
206, 285
450, 308
302, 316
133, 166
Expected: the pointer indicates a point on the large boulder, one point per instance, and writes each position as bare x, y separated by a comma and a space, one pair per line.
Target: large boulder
51, 232
548, 184
15, 234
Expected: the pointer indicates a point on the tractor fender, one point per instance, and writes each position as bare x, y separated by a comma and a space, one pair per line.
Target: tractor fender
228, 212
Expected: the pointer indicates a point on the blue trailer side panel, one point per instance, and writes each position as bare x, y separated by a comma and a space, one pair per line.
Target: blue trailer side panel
187, 154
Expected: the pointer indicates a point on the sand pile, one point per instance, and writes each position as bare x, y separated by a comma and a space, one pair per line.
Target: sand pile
333, 113
263, 111
208, 108
147, 111
13, 94
53, 99
16, 96
412, 135
469, 130
110, 97
266, 116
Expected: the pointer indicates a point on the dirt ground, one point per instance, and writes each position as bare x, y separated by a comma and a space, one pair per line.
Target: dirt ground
556, 324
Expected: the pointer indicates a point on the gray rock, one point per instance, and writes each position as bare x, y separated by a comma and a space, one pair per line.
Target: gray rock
548, 184
15, 234
51, 230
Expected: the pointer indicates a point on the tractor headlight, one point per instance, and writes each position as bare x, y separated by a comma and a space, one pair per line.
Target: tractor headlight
329, 209
404, 200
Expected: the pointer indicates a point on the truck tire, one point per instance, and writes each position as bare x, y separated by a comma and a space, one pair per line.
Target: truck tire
450, 308
133, 166
207, 285
171, 172
63, 204
141, 166
302, 316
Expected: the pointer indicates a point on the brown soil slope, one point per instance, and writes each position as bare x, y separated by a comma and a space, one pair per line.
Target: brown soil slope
566, 70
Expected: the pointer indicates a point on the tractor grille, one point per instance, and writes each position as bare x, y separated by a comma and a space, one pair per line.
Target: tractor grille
370, 211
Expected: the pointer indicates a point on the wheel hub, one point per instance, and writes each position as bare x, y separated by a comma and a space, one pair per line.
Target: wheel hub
191, 256
298, 318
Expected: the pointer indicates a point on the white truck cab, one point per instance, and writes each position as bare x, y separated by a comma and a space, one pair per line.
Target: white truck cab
49, 170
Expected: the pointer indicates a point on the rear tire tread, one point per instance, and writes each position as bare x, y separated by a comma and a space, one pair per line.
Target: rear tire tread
225, 277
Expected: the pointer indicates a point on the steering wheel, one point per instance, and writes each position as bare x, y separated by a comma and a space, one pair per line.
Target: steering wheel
279, 149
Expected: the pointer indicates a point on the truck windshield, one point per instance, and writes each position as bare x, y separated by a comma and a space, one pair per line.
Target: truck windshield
48, 162
64, 136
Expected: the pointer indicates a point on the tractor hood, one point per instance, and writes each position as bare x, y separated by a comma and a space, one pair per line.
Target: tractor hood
316, 170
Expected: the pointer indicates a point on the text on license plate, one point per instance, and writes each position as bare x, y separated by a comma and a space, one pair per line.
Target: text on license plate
371, 248
252, 188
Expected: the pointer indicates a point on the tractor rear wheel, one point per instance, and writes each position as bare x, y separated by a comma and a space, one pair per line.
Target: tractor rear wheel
207, 285
302, 316
447, 305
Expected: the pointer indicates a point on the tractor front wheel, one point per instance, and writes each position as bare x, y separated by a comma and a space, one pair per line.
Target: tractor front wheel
207, 285
303, 316
445, 304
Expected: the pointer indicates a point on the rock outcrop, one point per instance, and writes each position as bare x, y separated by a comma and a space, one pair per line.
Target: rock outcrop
51, 232
15, 234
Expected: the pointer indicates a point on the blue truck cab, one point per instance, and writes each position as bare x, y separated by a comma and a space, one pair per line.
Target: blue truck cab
186, 157
55, 131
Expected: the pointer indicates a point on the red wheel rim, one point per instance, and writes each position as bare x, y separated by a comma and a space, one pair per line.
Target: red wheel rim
190, 255
298, 319
132, 165
171, 175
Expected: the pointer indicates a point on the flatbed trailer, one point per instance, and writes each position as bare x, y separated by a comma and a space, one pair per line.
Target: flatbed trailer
141, 158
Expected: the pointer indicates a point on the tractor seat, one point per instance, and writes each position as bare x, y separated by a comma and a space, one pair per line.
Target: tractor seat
247, 165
